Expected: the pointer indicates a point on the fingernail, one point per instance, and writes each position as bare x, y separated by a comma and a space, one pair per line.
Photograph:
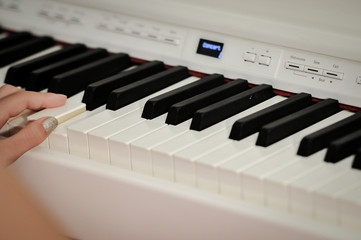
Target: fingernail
50, 124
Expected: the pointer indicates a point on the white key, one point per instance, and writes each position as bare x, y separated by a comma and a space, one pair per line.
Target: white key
252, 178
162, 155
185, 170
58, 139
76, 98
15, 125
119, 144
252, 184
327, 198
69, 110
230, 173
98, 138
349, 204
275, 185
78, 133
141, 148
221, 148
165, 156
19, 121
300, 199
4, 131
230, 182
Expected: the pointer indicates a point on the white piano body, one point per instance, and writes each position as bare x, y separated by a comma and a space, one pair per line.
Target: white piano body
261, 40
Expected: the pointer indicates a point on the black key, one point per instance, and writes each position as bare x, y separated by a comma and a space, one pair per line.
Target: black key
19, 74
284, 127
252, 123
343, 147
14, 39
185, 109
142, 88
76, 80
322, 138
40, 78
97, 93
19, 51
357, 161
206, 117
159, 105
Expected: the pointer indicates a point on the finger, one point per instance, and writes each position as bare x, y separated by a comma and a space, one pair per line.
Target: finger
14, 104
30, 136
7, 90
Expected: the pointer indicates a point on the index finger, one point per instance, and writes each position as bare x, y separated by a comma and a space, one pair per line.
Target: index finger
14, 104
7, 90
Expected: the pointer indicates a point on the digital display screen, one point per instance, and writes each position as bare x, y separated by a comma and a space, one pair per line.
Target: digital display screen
210, 48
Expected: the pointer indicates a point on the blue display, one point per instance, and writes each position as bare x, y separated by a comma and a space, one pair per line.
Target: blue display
210, 48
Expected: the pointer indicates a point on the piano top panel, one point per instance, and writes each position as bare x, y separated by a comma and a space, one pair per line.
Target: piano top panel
322, 26
287, 69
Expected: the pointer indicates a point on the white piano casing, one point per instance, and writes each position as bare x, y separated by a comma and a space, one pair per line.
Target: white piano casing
321, 26
97, 201
176, 44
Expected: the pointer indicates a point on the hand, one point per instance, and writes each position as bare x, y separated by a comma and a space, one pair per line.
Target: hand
21, 217
14, 101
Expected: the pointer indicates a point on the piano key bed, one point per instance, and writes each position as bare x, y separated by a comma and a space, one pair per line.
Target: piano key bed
236, 146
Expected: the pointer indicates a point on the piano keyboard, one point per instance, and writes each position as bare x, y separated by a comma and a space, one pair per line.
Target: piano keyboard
226, 141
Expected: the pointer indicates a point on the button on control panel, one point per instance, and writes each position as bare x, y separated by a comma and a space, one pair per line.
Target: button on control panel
10, 5
314, 70
140, 30
250, 57
254, 57
358, 80
264, 60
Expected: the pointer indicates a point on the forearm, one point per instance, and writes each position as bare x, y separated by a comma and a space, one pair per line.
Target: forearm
20, 216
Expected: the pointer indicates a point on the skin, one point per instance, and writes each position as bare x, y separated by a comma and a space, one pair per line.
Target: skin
21, 217
14, 101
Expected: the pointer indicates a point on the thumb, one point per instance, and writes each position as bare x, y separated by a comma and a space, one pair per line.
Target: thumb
30, 136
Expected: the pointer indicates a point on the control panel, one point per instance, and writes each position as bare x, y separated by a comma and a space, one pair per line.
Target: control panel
139, 30
313, 70
285, 69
